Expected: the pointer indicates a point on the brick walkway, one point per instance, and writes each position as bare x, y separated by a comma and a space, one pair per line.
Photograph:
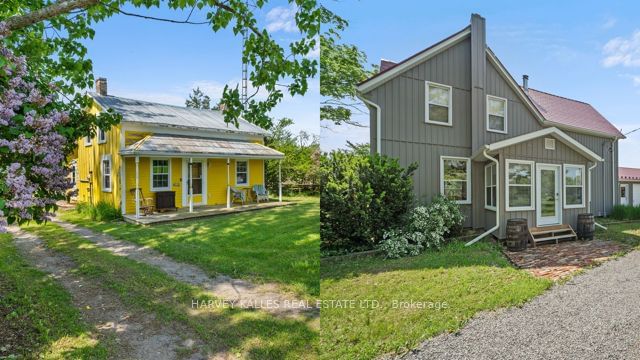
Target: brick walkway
556, 261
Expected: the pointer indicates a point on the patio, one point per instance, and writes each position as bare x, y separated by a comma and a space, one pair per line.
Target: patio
200, 212
558, 261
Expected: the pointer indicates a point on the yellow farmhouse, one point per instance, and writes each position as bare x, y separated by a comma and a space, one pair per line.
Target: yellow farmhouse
164, 151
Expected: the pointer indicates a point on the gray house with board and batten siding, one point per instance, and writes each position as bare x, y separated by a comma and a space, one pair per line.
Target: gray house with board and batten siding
500, 149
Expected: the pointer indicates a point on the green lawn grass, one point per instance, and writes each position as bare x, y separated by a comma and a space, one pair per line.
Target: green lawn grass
275, 245
246, 333
627, 233
37, 317
467, 279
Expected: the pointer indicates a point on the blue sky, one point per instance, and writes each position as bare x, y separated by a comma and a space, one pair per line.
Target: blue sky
158, 61
585, 50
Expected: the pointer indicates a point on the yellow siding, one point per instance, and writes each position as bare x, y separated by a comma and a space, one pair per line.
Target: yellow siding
217, 182
144, 181
89, 159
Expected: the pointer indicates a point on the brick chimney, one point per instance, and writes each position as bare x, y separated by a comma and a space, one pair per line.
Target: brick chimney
101, 86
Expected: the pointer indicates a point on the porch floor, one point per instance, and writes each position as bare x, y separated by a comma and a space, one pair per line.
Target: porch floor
199, 212
557, 261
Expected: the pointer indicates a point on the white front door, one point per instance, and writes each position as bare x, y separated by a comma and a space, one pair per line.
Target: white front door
199, 182
636, 194
624, 194
548, 194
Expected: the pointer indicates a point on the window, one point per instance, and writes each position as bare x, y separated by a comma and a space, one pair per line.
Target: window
455, 179
102, 136
623, 191
74, 174
490, 187
87, 141
519, 185
160, 174
550, 144
106, 173
439, 99
573, 186
496, 114
242, 172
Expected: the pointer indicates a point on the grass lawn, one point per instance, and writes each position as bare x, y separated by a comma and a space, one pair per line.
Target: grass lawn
467, 279
627, 233
37, 317
246, 333
276, 245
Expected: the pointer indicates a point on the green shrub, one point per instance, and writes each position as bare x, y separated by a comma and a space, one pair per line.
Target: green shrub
362, 196
102, 211
427, 228
625, 212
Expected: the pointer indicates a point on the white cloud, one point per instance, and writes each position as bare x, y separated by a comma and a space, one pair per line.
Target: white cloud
315, 52
282, 18
609, 22
622, 51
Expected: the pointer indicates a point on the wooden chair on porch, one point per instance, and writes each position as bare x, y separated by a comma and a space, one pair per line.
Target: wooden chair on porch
237, 194
261, 193
146, 203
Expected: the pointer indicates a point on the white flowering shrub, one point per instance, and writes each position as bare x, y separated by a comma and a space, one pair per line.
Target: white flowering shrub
427, 228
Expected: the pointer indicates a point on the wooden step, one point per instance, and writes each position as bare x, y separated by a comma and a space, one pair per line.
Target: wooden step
550, 233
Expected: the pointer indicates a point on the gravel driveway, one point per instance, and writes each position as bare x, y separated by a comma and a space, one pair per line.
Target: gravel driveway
593, 316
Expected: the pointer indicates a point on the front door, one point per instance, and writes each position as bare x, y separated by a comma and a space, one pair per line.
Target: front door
197, 178
624, 194
548, 201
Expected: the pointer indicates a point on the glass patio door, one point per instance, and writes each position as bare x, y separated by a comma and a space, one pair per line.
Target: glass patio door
548, 209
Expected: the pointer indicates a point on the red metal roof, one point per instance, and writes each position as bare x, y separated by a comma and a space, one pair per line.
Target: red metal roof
571, 112
625, 173
386, 65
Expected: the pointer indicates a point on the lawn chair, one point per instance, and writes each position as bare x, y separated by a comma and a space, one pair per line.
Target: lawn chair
237, 194
146, 203
261, 193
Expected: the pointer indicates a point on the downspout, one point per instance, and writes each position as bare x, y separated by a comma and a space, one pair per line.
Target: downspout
378, 122
613, 172
604, 183
589, 194
497, 226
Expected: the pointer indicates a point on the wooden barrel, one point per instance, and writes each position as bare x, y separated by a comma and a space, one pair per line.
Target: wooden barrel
517, 234
586, 226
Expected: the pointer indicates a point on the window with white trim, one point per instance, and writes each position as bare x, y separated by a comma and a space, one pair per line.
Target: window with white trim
519, 180
496, 114
102, 136
574, 186
439, 99
455, 178
160, 174
623, 191
106, 173
242, 172
490, 187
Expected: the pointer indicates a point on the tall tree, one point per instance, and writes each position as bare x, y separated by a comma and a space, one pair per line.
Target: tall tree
342, 67
199, 100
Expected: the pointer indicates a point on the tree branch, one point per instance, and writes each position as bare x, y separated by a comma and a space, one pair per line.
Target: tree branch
47, 12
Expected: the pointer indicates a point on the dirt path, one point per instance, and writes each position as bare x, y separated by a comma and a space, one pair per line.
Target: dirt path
240, 293
136, 335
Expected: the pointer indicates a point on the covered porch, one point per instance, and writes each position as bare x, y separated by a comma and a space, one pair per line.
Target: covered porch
200, 212
197, 175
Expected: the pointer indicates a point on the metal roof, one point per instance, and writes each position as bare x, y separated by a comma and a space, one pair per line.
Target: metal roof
185, 146
628, 174
146, 112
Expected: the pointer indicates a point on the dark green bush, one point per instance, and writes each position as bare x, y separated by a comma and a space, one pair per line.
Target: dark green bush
625, 212
102, 211
362, 196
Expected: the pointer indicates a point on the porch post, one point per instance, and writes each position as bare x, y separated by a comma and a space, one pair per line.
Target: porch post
228, 185
279, 180
190, 185
137, 187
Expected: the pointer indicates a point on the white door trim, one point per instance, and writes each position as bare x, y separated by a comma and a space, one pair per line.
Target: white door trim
185, 183
544, 221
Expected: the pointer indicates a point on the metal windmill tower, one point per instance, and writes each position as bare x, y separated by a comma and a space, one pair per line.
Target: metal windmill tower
245, 70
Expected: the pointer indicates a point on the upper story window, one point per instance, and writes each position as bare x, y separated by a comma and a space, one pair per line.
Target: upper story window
496, 114
106, 173
160, 174
573, 186
455, 178
102, 136
519, 185
439, 104
242, 172
87, 141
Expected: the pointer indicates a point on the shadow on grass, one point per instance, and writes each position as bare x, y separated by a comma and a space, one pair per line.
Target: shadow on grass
452, 255
256, 334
